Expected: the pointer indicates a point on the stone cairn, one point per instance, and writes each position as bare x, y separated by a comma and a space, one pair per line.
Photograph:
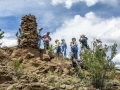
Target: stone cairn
29, 32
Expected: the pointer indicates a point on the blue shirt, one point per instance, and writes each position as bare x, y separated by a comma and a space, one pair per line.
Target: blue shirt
19, 33
63, 44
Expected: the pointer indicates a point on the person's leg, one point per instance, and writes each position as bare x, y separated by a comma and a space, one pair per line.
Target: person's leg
76, 56
18, 41
39, 42
59, 50
45, 45
64, 51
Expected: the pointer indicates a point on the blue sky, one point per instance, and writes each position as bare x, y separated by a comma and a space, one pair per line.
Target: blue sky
50, 16
64, 19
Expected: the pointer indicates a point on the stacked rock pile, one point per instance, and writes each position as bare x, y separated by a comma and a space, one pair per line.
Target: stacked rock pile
29, 32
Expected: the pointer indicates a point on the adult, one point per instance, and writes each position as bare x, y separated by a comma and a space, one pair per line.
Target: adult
63, 46
46, 39
83, 41
99, 44
100, 47
58, 47
19, 35
39, 36
74, 47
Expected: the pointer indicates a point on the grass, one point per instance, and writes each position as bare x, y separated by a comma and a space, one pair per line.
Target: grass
17, 66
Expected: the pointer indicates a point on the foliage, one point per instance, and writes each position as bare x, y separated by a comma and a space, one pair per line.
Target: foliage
1, 34
34, 78
52, 79
14, 88
17, 65
51, 48
99, 65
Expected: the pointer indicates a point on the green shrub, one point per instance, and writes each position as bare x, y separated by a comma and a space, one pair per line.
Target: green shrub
98, 65
51, 48
1, 34
17, 66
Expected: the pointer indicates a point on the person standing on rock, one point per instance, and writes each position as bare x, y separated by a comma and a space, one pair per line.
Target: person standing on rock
83, 41
19, 35
63, 46
58, 47
39, 36
74, 47
46, 39
99, 44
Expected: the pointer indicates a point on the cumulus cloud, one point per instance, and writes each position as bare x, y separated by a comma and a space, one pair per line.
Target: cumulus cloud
112, 36
14, 7
117, 60
92, 26
8, 40
69, 3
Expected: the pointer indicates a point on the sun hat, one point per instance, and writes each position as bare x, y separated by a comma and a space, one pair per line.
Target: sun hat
98, 40
56, 40
62, 39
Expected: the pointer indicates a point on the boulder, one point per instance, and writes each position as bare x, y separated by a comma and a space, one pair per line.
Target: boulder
46, 57
62, 86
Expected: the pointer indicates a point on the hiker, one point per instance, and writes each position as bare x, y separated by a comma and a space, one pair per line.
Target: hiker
58, 47
99, 44
63, 46
74, 47
83, 41
100, 47
46, 39
19, 35
39, 36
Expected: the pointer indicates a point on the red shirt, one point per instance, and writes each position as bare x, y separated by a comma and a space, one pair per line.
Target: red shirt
46, 38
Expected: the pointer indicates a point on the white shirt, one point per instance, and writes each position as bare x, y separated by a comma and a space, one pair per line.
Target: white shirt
100, 45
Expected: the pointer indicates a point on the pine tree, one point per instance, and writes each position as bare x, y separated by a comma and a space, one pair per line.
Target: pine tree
1, 34
99, 65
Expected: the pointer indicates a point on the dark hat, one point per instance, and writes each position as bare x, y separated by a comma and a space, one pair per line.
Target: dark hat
56, 40
74, 38
48, 32
40, 29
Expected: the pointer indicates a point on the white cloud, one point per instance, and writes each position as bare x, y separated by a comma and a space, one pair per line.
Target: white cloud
68, 3
117, 60
8, 40
112, 36
90, 25
15, 7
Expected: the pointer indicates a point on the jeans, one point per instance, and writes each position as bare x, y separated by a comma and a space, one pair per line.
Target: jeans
46, 45
58, 51
74, 49
39, 42
63, 51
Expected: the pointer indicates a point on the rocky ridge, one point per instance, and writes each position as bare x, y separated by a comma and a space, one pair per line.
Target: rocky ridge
43, 71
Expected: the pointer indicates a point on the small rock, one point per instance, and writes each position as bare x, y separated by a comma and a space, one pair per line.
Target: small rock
65, 70
62, 86
46, 57
69, 87
29, 55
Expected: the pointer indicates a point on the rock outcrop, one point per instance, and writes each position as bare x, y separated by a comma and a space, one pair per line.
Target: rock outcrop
29, 32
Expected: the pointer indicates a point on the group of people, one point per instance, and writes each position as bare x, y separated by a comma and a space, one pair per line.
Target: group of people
46, 38
61, 47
